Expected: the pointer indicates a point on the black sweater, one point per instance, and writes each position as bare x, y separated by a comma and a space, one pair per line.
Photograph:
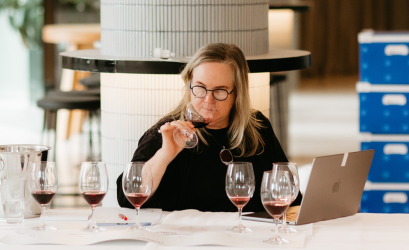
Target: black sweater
196, 180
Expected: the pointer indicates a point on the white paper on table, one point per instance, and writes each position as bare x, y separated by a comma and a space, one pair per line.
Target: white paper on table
80, 238
259, 229
197, 218
107, 215
66, 215
194, 221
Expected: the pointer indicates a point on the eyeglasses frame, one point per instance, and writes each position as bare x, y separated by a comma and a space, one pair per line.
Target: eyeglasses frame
228, 93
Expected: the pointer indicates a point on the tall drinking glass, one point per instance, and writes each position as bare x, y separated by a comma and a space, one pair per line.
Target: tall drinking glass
93, 186
240, 185
43, 185
276, 198
295, 188
137, 186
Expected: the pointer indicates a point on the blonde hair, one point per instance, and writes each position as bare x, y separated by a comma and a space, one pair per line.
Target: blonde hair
243, 132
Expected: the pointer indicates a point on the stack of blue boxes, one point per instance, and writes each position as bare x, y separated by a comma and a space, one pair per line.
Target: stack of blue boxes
384, 119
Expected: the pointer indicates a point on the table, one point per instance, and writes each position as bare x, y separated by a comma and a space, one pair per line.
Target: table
360, 231
92, 60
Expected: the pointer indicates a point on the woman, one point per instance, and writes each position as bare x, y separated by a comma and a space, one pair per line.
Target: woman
195, 178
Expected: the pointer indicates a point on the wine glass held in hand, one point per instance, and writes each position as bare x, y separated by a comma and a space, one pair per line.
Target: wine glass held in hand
43, 185
200, 113
240, 185
137, 186
93, 185
295, 188
276, 198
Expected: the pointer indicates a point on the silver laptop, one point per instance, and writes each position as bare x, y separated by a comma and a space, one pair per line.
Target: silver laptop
334, 188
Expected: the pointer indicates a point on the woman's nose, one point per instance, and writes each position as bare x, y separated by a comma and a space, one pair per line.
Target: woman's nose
209, 98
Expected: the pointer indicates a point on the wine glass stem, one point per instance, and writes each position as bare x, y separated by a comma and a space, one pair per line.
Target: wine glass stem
42, 214
240, 211
284, 220
137, 223
93, 222
276, 228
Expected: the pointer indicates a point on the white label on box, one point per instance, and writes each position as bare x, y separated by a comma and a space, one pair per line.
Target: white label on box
395, 149
395, 198
396, 50
394, 100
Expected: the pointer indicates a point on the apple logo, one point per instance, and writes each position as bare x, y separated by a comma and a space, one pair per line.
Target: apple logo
335, 187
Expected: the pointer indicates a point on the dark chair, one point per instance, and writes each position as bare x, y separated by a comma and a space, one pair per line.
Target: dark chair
84, 100
91, 82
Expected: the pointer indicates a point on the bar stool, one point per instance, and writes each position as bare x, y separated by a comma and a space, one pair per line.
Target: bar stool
77, 36
88, 100
91, 82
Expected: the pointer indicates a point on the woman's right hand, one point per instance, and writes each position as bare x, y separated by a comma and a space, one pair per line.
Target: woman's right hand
169, 146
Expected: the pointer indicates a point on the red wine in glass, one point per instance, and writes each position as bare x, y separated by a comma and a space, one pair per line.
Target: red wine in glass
43, 185
239, 201
43, 197
200, 114
93, 184
201, 124
137, 186
137, 199
239, 186
93, 197
276, 197
276, 208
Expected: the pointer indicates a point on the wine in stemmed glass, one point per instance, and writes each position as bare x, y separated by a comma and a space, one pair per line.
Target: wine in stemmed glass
276, 198
295, 188
43, 185
240, 185
93, 185
200, 113
137, 186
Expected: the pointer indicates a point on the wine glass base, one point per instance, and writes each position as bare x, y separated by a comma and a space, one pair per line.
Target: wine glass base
286, 230
93, 229
276, 241
137, 228
44, 228
185, 137
240, 229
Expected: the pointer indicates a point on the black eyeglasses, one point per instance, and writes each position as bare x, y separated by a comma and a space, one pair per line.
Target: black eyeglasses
218, 94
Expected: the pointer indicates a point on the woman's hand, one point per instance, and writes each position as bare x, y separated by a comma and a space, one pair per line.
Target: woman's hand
169, 146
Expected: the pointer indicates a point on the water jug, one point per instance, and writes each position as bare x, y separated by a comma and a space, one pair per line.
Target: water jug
15, 163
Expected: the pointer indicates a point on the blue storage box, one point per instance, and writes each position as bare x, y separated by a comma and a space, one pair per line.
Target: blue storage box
383, 109
385, 198
384, 57
391, 158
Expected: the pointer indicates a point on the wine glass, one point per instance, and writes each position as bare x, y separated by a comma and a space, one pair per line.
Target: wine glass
276, 198
137, 186
43, 185
93, 186
200, 113
240, 185
295, 188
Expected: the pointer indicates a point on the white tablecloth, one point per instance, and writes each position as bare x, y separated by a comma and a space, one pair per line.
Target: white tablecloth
361, 231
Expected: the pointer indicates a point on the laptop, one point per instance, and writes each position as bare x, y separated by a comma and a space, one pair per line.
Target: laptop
334, 189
